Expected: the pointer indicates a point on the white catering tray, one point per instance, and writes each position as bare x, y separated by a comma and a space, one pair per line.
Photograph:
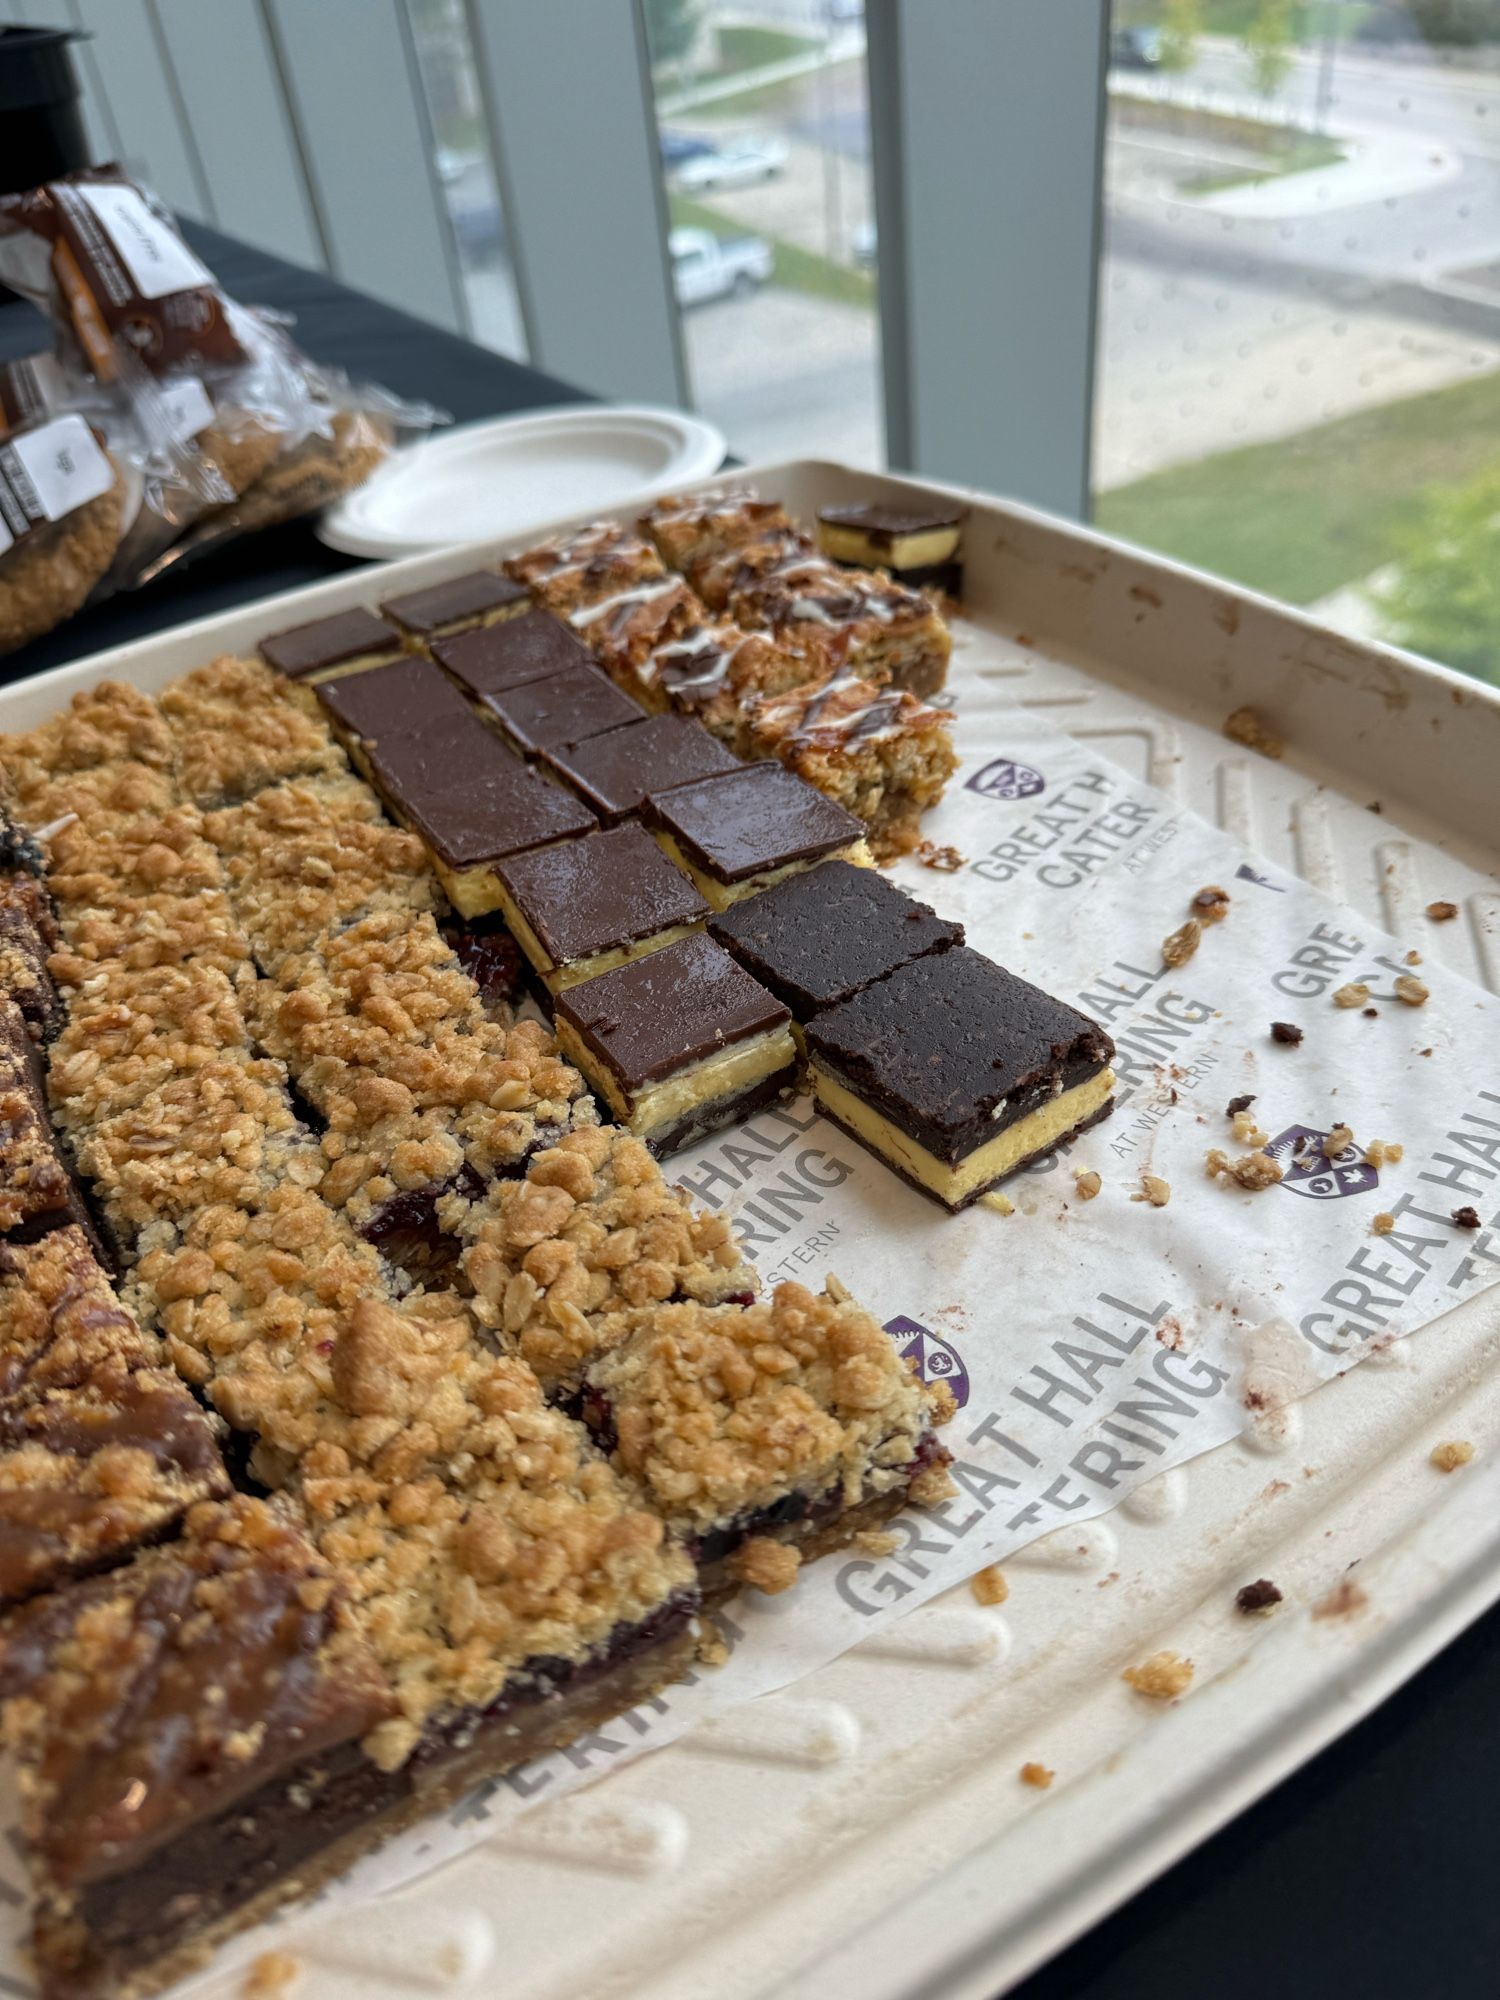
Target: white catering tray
863, 1833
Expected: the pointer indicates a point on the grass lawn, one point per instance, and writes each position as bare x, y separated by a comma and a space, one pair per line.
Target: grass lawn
750, 47
798, 269
1305, 152
1303, 516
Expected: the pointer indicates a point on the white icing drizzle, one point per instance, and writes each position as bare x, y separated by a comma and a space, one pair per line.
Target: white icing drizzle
642, 593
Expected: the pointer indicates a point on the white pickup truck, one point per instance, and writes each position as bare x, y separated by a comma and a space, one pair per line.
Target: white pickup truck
705, 266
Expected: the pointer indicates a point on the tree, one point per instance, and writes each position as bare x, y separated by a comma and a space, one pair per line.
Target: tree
1182, 23
671, 29
1445, 597
1268, 44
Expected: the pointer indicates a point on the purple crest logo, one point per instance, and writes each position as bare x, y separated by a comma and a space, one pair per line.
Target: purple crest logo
933, 1359
1307, 1169
1005, 779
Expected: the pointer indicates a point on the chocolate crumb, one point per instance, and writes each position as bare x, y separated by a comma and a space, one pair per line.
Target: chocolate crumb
1210, 905
1286, 1033
1370, 1013
1466, 1217
1261, 1595
1442, 913
1241, 1103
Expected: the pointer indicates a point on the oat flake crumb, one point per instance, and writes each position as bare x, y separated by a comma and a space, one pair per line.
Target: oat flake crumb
1037, 1775
1355, 994
1000, 1203
1245, 726
878, 1541
1183, 942
1411, 990
1383, 1224
947, 860
1246, 1131
1163, 1677
271, 1976
1086, 1183
766, 1565
1339, 1140
989, 1586
1442, 913
1251, 1170
1383, 1152
1413, 958
713, 1648
1155, 1190
1449, 1457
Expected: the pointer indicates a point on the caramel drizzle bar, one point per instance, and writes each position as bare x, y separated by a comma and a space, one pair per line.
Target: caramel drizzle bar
871, 745
452, 1576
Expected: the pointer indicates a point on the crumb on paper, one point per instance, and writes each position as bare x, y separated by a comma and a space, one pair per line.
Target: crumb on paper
878, 1541
1424, 1052
932, 1484
1247, 1132
1246, 727
1153, 1189
1086, 1183
1037, 1776
766, 1564
1000, 1203
1163, 1677
1238, 1104
1355, 994
1346, 1600
1182, 943
1413, 958
1383, 1152
989, 1586
1467, 1217
713, 1647
1210, 905
1252, 1170
946, 859
1025, 639
271, 1976
1383, 1224
1339, 1140
1370, 1013
1442, 913
1256, 1599
942, 1402
835, 1289
1411, 990
1287, 1033
1449, 1457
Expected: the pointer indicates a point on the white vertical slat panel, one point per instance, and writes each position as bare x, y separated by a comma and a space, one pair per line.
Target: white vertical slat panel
988, 128
145, 101
356, 97
241, 126
573, 128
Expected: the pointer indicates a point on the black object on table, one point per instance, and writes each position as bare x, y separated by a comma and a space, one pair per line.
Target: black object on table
344, 328
1370, 1871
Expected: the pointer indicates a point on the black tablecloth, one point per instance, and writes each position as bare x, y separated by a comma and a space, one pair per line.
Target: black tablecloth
1370, 1872
344, 328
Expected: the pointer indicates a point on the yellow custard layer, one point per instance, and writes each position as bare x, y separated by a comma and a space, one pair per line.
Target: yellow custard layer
661, 1105
899, 552
345, 667
719, 895
989, 1162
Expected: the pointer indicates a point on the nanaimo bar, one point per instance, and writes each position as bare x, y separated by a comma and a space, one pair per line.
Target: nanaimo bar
581, 907
495, 658
678, 1043
615, 772
921, 546
957, 1074
482, 597
391, 702
346, 643
736, 834
563, 708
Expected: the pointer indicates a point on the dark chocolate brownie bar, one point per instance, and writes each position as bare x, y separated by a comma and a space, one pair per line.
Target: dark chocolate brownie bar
580, 905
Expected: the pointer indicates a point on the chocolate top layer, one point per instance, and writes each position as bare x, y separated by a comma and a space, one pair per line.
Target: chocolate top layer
759, 817
954, 1048
502, 656
470, 798
819, 936
409, 695
885, 522
663, 1013
564, 708
326, 642
606, 889
167, 1691
461, 597
615, 771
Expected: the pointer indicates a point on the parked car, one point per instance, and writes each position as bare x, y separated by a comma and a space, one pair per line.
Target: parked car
1135, 48
679, 146
705, 266
738, 163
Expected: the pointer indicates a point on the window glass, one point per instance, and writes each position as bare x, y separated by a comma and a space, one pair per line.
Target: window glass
1299, 339
763, 120
466, 169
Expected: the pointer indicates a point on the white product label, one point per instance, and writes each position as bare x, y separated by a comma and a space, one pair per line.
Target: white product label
156, 257
64, 465
187, 406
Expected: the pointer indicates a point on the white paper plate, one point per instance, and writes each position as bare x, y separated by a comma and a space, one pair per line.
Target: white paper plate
492, 479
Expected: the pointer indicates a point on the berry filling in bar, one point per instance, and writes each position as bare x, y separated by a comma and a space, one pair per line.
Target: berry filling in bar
738, 833
956, 1073
764, 1434
678, 1043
